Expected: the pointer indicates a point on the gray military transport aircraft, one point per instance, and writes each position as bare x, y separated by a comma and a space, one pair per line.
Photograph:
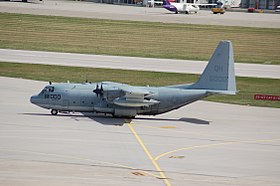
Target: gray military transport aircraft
122, 100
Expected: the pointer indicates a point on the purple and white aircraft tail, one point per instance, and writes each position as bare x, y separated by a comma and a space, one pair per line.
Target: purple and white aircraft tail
167, 5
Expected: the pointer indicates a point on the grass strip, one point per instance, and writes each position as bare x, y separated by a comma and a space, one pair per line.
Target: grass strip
132, 38
247, 86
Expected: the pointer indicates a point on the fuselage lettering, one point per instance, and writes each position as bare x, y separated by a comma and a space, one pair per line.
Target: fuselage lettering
218, 68
218, 78
53, 96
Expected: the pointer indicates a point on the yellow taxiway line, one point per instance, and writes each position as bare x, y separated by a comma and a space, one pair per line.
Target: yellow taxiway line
211, 145
162, 175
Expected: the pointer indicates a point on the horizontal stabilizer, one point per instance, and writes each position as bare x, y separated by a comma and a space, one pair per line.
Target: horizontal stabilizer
226, 92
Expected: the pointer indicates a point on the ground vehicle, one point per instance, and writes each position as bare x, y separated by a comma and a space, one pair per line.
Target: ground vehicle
251, 9
218, 10
277, 9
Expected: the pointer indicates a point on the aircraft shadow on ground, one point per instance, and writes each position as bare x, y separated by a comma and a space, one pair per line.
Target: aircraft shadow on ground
101, 119
187, 120
109, 120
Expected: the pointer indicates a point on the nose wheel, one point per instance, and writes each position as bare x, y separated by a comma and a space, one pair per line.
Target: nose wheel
54, 112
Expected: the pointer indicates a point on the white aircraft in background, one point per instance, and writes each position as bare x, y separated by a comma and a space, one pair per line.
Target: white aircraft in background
183, 7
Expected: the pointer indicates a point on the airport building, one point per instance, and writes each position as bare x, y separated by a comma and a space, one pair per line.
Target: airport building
130, 2
258, 4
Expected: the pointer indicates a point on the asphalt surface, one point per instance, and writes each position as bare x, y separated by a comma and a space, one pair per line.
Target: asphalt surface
202, 144
131, 63
116, 12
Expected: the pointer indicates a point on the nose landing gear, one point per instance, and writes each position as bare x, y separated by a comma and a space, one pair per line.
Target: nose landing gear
54, 112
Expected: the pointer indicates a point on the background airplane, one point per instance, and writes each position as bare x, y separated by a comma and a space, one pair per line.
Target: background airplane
183, 7
25, 1
122, 100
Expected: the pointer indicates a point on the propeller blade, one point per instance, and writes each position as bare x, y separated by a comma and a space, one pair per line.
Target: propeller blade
98, 91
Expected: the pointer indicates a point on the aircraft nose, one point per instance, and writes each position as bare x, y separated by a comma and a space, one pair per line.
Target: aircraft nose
34, 99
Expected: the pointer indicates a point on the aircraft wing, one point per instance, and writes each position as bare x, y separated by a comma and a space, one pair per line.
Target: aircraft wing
202, 4
226, 92
134, 101
128, 96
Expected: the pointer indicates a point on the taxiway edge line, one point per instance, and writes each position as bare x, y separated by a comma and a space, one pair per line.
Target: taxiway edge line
211, 145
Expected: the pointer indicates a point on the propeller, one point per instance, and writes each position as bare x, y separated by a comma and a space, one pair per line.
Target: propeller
98, 91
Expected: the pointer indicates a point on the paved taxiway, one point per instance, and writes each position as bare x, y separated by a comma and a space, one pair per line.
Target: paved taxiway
202, 144
131, 63
105, 11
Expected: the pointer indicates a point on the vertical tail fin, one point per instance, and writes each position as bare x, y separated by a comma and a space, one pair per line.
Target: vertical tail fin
219, 75
166, 2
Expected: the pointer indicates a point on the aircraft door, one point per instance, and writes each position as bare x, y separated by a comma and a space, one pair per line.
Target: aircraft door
65, 103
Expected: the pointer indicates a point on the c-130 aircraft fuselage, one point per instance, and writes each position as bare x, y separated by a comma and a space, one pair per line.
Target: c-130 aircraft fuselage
122, 100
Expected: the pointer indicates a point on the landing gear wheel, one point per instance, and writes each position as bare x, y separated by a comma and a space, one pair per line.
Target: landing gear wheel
54, 112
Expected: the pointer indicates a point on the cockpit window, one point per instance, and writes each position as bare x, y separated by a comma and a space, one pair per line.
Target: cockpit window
51, 89
42, 92
47, 89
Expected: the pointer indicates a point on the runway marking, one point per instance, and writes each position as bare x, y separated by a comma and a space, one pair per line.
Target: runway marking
179, 157
210, 145
162, 175
168, 127
79, 158
138, 174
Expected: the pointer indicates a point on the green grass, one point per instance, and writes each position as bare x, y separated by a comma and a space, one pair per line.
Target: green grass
247, 86
143, 39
